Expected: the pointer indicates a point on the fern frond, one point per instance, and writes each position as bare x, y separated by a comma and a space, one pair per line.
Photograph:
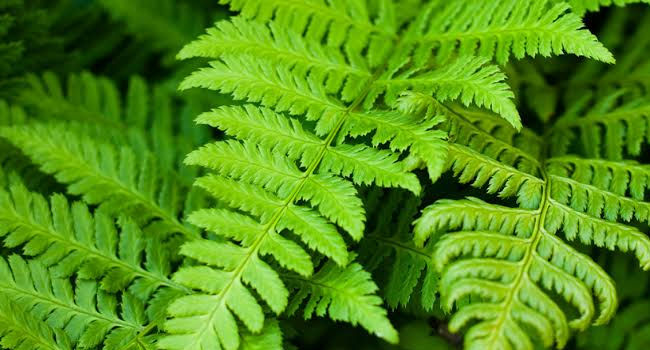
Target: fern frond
86, 314
479, 170
345, 294
603, 195
259, 166
504, 27
402, 270
467, 79
490, 256
117, 179
19, 330
321, 83
332, 20
264, 182
605, 130
267, 81
144, 118
582, 6
329, 73
75, 241
274, 41
506, 270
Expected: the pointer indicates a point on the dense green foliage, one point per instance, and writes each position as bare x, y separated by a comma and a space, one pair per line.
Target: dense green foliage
326, 174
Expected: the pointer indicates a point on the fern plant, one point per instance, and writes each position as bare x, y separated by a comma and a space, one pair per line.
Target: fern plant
385, 174
324, 80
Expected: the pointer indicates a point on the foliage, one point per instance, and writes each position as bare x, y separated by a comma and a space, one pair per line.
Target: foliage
381, 174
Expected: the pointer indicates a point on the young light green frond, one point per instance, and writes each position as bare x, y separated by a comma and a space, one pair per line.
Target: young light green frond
85, 313
265, 128
279, 43
505, 260
270, 83
117, 179
312, 228
20, 330
509, 278
319, 88
265, 80
73, 240
504, 28
486, 261
334, 20
345, 294
467, 79
206, 320
403, 130
334, 197
582, 6
368, 165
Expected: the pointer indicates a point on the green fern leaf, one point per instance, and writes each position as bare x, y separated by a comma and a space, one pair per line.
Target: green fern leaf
86, 314
23, 331
505, 27
144, 118
74, 241
322, 84
345, 294
115, 178
504, 269
582, 6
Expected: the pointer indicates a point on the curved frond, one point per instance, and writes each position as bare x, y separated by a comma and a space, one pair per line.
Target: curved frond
510, 249
505, 270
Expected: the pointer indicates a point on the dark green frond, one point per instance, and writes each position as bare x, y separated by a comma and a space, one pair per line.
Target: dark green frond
115, 177
75, 241
86, 314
